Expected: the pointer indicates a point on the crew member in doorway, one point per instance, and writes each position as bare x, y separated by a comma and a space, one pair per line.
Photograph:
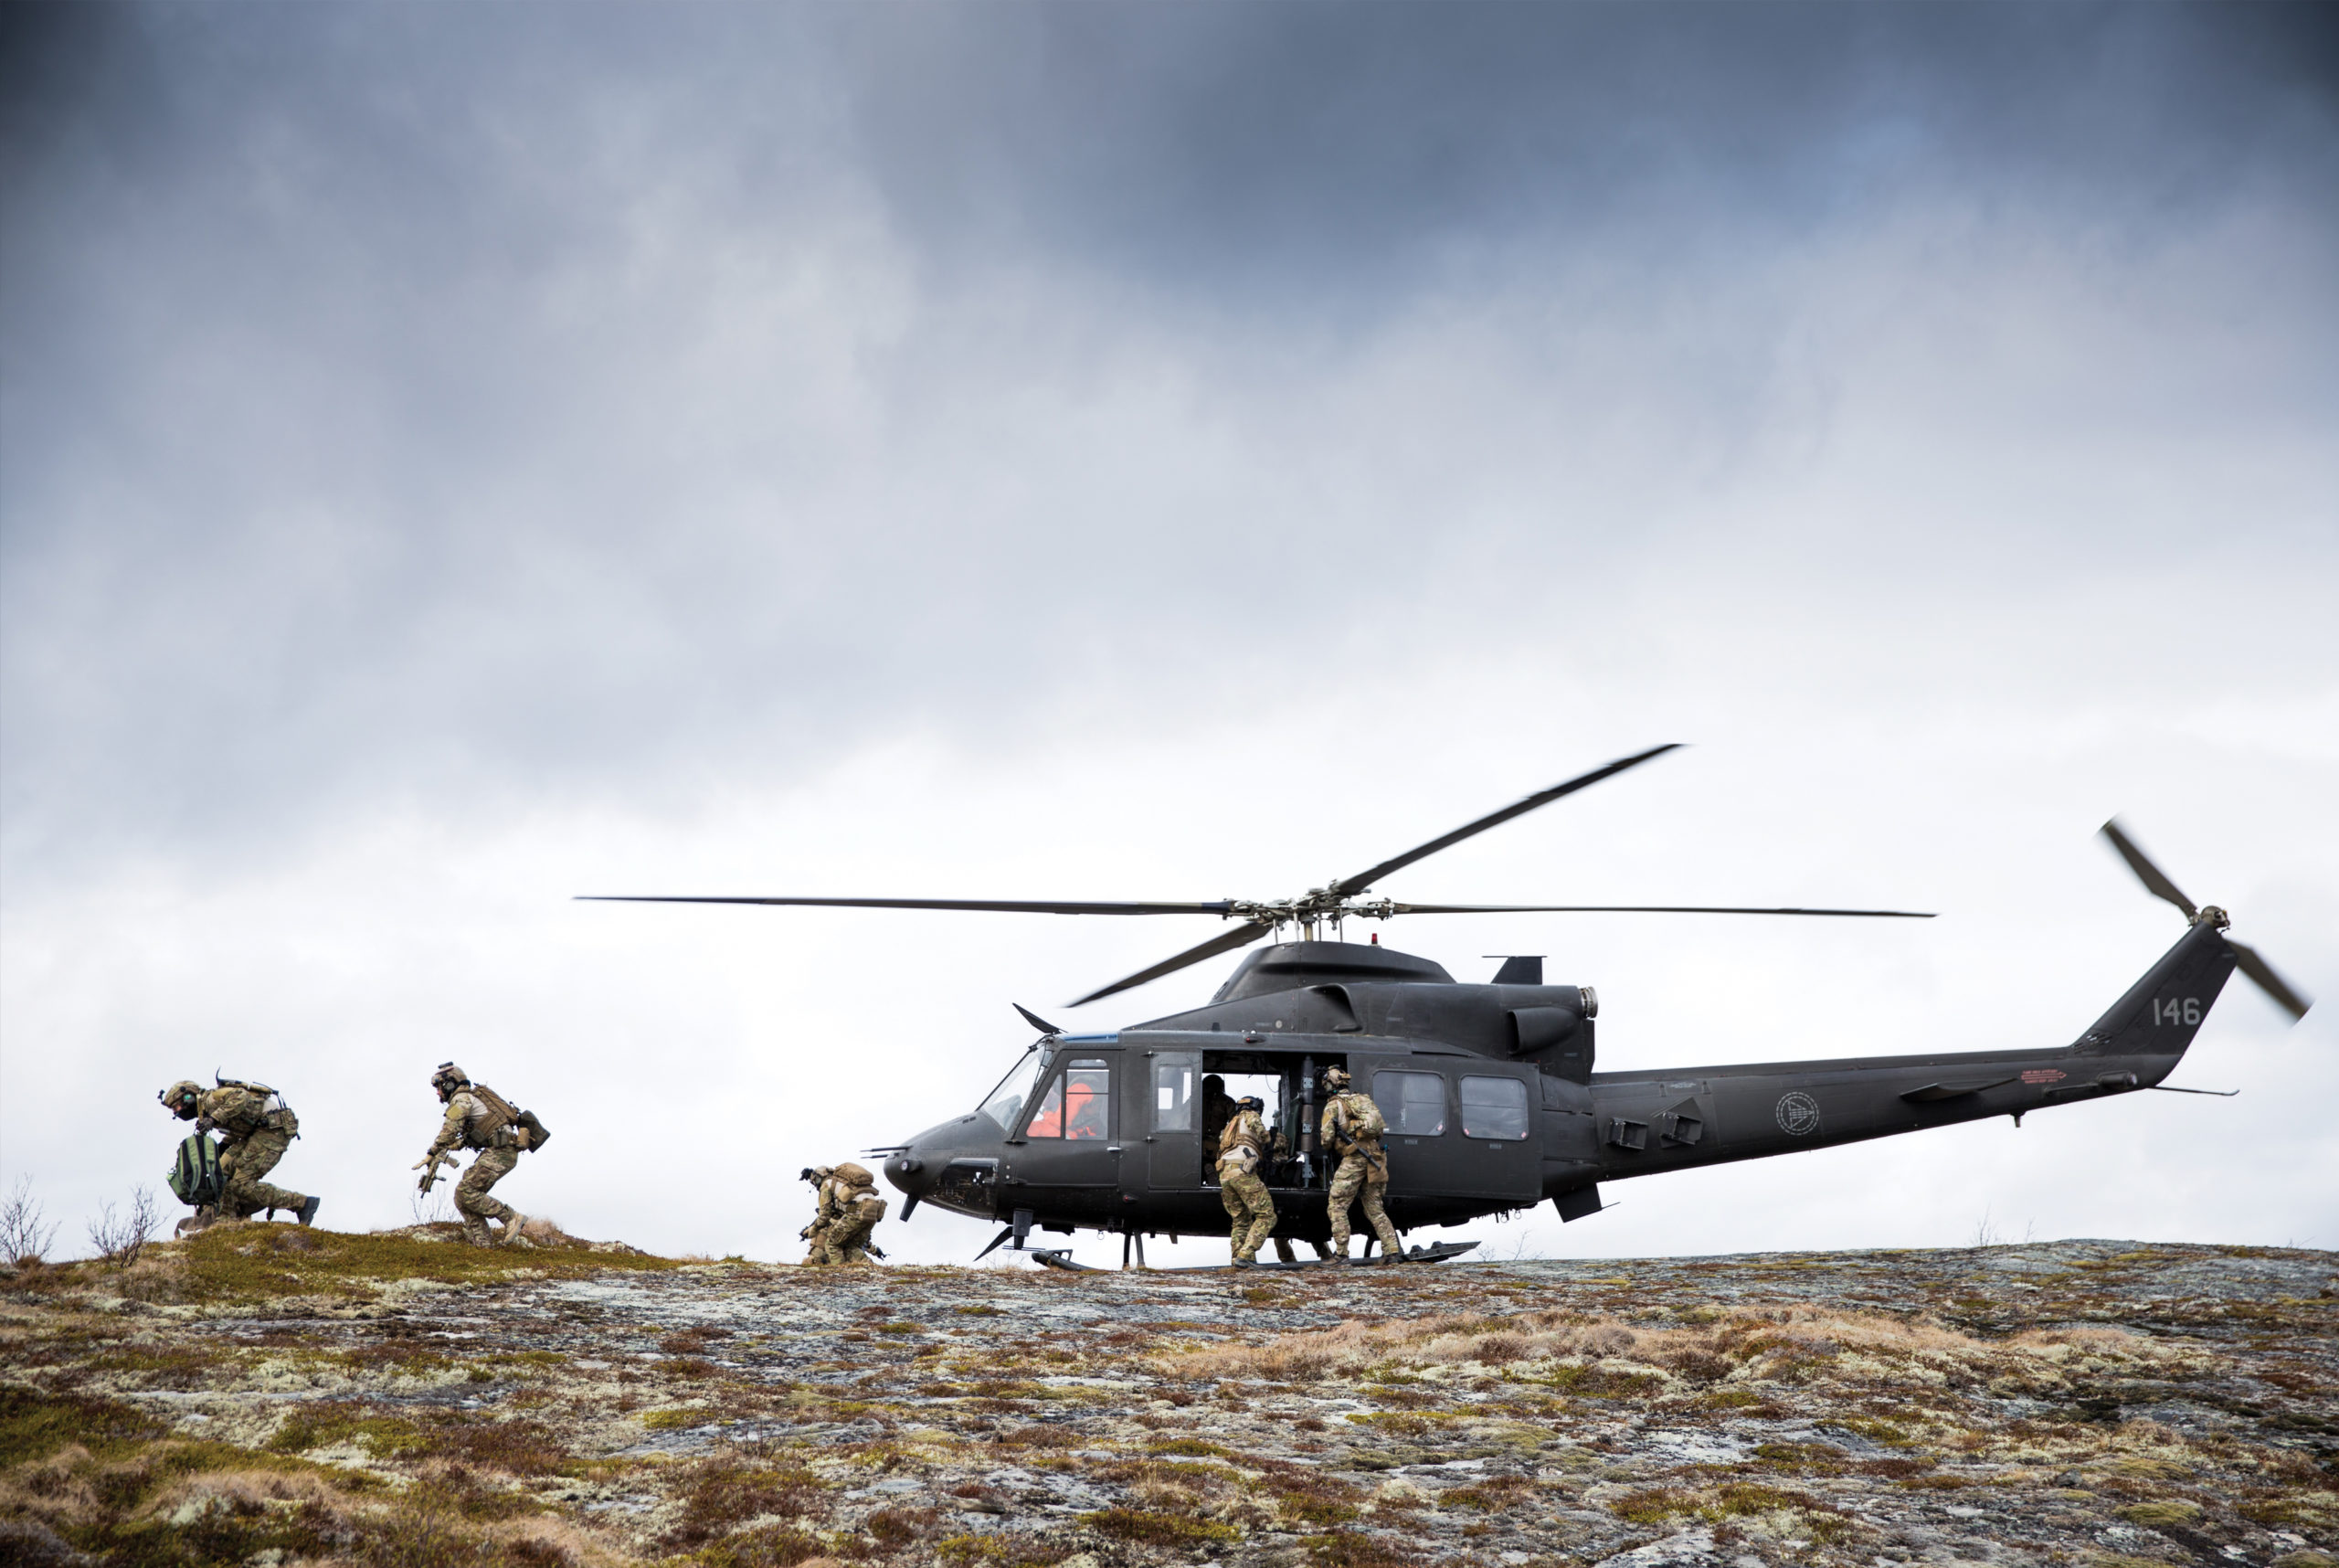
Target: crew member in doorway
1352, 1128
1249, 1208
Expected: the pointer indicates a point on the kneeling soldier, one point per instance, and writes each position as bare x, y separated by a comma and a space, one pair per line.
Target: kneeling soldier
477, 1117
1352, 1128
850, 1192
1240, 1148
823, 1212
260, 1127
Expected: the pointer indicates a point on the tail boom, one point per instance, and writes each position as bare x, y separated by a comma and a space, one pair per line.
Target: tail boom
1637, 1124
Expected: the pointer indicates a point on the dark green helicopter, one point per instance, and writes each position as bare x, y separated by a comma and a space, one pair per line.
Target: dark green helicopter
1488, 1090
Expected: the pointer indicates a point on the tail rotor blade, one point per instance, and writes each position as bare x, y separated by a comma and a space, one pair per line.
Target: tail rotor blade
1225, 942
2151, 875
2272, 984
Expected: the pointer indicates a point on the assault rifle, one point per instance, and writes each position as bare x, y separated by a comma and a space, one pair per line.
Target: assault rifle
431, 1177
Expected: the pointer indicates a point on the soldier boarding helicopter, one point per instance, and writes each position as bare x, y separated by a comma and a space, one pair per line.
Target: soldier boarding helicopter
1489, 1091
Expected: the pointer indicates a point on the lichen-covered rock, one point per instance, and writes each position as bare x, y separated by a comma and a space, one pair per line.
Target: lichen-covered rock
2087, 1403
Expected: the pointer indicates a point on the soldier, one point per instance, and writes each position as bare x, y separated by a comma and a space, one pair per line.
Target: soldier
1352, 1129
1218, 1107
1240, 1148
853, 1191
477, 1117
260, 1127
823, 1214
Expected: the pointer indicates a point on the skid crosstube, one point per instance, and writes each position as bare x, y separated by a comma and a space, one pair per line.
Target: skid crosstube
1061, 1258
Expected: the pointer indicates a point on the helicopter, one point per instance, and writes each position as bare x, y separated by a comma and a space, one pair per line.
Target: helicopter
1489, 1092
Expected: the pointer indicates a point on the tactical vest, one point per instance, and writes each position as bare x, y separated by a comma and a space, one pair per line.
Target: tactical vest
254, 1115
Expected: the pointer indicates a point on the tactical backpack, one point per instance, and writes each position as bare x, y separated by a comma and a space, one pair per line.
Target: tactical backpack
196, 1176
1359, 1117
501, 1115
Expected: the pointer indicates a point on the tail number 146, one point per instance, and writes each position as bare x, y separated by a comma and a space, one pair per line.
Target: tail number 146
2175, 1012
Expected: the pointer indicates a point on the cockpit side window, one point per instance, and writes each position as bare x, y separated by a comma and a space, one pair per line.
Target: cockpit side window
1077, 1105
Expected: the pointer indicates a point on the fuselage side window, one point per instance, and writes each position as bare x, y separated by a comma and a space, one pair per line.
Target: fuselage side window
1077, 1105
1412, 1103
1173, 1092
1494, 1107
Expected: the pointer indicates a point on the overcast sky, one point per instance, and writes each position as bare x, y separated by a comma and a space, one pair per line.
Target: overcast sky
455, 458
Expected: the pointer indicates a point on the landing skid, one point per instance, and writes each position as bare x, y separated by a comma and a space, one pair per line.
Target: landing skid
1061, 1258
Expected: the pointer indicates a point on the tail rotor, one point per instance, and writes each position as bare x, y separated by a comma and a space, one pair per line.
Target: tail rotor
2261, 973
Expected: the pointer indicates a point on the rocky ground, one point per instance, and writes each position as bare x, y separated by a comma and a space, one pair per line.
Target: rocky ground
266, 1395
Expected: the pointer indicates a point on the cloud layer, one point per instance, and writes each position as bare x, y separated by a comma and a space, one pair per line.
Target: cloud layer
456, 460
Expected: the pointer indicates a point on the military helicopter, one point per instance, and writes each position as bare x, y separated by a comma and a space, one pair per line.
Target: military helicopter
1489, 1093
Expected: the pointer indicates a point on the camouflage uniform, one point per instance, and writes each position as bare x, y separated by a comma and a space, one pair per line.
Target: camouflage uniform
256, 1138
857, 1207
1248, 1206
824, 1213
472, 1123
1352, 1128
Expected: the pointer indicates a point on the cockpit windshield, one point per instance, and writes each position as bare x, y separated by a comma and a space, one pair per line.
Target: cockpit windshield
1005, 1103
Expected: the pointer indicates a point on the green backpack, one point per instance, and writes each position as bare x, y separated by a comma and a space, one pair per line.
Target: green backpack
194, 1175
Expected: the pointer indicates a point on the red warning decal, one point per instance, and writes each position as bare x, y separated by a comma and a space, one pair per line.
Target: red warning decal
2043, 1076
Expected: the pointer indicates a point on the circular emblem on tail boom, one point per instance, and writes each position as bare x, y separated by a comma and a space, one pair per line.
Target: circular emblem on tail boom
1798, 1114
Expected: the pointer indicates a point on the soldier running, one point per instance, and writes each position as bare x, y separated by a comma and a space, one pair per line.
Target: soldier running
1352, 1128
477, 1117
1240, 1148
851, 1194
823, 1214
260, 1127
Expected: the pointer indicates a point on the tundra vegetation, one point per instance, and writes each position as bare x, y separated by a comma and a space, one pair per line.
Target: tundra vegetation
266, 1395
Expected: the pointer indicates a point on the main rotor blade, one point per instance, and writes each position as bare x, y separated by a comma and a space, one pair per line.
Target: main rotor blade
2272, 984
2151, 875
1225, 942
1641, 909
994, 906
1348, 886
1034, 1020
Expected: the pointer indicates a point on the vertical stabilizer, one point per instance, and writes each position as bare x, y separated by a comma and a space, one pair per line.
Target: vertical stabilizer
2162, 1013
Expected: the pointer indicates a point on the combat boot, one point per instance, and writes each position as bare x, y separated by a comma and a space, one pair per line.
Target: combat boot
308, 1211
512, 1224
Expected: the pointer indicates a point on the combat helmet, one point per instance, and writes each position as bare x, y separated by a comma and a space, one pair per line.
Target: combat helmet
1251, 1102
448, 1079
1336, 1078
181, 1098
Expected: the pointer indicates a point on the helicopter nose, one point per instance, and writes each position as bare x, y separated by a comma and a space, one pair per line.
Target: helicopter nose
916, 1167
910, 1171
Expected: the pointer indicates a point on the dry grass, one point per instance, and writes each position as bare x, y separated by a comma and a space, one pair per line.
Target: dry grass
1782, 1344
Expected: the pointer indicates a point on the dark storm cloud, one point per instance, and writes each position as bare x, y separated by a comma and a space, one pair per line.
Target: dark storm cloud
396, 403
1321, 148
